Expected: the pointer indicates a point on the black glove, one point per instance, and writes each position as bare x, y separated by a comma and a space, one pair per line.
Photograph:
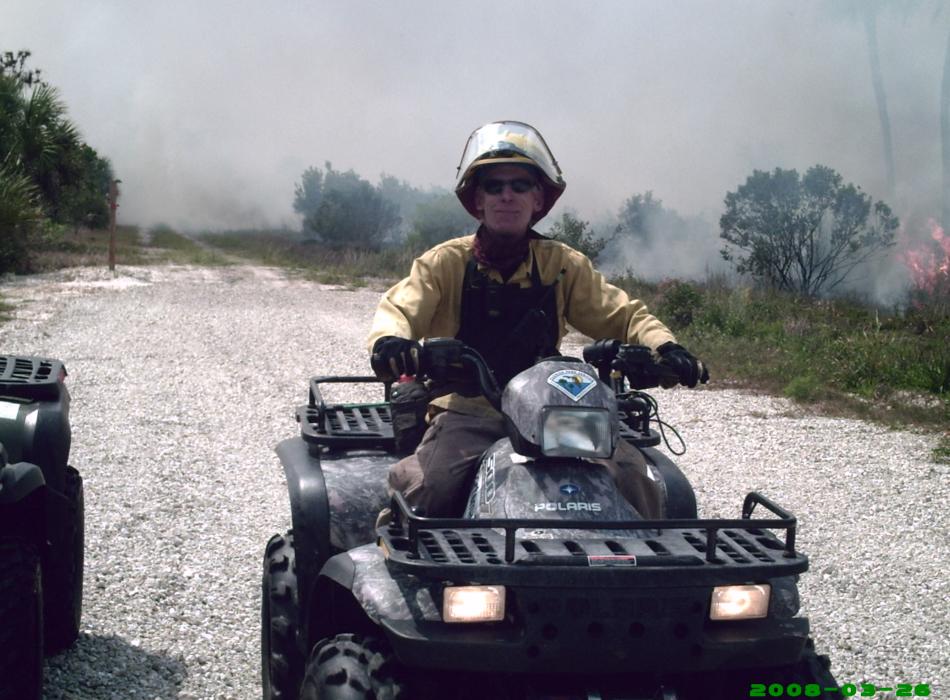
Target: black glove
689, 370
392, 357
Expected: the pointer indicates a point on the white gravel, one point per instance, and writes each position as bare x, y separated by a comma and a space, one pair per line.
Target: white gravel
183, 379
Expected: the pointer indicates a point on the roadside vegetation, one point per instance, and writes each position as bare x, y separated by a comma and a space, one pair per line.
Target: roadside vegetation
168, 245
835, 355
52, 183
320, 262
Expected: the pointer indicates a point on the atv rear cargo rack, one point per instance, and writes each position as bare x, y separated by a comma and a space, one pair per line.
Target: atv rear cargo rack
366, 426
714, 550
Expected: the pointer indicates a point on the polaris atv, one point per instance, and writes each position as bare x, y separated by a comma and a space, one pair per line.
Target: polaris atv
41, 523
550, 584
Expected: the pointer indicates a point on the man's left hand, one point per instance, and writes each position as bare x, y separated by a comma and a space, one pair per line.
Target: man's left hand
688, 368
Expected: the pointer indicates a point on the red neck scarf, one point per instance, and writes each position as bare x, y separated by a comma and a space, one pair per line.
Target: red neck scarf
502, 253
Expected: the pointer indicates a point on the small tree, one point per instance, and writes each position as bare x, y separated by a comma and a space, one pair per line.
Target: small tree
803, 234
308, 192
352, 212
640, 215
343, 209
577, 234
83, 200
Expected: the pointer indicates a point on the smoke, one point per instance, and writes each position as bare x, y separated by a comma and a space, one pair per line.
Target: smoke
211, 111
655, 243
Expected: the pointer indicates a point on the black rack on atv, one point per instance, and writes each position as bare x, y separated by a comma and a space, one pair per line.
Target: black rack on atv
710, 549
31, 377
367, 426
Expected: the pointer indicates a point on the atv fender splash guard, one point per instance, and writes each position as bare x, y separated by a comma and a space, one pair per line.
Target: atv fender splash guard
309, 512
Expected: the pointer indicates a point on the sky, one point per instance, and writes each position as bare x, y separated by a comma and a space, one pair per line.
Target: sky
211, 111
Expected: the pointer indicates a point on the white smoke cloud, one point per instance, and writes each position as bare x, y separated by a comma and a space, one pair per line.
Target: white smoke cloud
211, 111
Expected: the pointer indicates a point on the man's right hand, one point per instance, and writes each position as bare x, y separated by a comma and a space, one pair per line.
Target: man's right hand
392, 357
687, 367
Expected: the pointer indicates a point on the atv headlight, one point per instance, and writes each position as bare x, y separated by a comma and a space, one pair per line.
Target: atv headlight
575, 432
740, 602
473, 603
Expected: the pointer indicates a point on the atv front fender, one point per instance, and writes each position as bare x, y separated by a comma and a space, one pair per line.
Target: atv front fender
309, 512
680, 499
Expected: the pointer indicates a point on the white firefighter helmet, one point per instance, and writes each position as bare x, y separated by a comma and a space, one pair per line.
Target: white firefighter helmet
512, 142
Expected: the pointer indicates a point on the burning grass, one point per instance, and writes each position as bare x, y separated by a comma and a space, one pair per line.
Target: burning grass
928, 263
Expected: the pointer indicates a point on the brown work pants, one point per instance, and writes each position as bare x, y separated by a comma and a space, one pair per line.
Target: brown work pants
437, 477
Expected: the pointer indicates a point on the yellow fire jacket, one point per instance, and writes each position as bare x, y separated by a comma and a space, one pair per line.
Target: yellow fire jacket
427, 303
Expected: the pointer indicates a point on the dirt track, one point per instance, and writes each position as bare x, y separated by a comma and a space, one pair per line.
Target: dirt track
183, 380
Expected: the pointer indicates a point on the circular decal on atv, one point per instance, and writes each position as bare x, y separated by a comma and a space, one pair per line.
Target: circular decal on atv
570, 489
572, 383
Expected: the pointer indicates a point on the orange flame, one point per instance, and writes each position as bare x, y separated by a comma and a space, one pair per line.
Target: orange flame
929, 264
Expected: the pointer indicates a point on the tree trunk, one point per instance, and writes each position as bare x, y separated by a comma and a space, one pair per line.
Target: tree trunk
870, 27
945, 137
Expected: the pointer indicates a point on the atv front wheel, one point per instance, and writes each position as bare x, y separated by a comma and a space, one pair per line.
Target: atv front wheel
281, 660
21, 612
350, 667
62, 578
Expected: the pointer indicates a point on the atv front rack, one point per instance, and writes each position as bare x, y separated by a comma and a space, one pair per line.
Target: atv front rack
366, 426
490, 549
30, 377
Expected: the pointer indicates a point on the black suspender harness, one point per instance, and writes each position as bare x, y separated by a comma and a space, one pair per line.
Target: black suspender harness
510, 325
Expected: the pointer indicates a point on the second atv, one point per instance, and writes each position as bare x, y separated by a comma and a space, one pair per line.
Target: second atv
41, 523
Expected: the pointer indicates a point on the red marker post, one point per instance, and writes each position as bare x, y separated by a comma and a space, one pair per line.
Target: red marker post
113, 205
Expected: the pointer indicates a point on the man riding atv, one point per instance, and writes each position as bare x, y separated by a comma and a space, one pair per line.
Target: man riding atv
508, 292
539, 545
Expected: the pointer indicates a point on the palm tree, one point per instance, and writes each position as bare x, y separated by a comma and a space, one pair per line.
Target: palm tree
45, 139
19, 214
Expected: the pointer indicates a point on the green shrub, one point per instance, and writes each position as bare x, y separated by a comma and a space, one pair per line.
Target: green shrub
806, 387
20, 217
677, 302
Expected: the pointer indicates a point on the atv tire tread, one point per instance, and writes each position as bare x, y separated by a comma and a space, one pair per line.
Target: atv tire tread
352, 667
64, 572
282, 661
21, 612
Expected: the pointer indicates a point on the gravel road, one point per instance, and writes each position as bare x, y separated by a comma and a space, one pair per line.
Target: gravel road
183, 379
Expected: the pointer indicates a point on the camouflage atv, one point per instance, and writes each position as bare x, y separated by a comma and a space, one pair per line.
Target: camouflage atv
41, 523
550, 584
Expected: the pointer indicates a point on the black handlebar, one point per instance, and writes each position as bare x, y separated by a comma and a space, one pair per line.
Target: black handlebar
442, 358
635, 362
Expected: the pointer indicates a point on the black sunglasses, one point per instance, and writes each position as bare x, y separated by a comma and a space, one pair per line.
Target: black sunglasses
519, 185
